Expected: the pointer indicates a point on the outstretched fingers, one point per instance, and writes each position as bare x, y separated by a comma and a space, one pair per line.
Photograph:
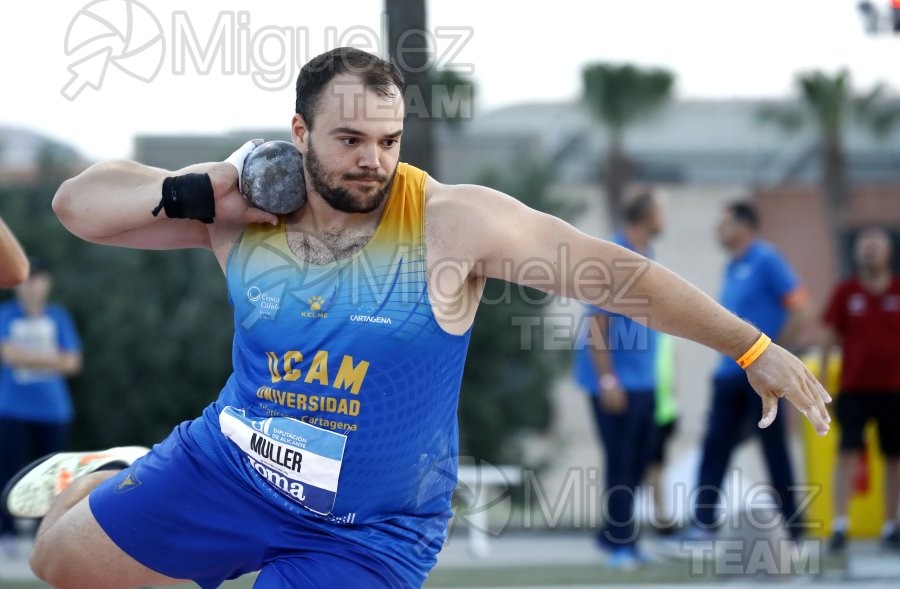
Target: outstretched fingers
820, 391
779, 374
769, 410
816, 412
809, 401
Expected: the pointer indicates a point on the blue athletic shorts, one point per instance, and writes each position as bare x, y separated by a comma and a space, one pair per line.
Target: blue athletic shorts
178, 513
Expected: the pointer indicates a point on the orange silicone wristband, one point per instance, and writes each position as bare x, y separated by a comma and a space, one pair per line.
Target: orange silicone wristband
755, 351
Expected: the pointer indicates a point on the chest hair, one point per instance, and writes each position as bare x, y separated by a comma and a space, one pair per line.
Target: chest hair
327, 247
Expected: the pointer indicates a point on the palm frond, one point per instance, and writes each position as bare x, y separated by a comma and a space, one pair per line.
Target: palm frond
619, 95
789, 118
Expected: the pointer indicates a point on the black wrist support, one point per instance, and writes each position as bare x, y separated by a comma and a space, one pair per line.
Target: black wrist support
189, 196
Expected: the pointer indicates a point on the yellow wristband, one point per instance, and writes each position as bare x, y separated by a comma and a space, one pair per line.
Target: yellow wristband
755, 351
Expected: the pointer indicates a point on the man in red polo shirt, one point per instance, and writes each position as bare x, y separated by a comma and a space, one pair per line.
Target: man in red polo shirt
864, 317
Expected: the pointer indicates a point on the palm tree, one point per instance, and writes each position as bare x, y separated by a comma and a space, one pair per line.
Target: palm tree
828, 103
457, 97
618, 96
408, 47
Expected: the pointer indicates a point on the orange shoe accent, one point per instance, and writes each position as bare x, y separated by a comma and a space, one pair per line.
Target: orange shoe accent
63, 480
89, 457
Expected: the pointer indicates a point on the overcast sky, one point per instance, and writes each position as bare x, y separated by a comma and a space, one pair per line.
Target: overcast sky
156, 80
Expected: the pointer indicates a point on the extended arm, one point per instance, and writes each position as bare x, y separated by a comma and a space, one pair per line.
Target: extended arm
501, 235
111, 203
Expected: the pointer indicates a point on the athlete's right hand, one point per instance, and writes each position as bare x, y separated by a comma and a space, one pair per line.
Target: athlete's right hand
231, 206
778, 373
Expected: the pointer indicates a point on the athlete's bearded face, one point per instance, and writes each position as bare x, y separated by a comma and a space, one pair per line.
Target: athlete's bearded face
352, 147
352, 191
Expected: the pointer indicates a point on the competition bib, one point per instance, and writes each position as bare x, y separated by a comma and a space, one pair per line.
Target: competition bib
300, 460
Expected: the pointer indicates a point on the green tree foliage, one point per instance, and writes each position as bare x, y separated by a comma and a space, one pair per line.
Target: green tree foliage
156, 326
456, 95
828, 103
619, 96
506, 388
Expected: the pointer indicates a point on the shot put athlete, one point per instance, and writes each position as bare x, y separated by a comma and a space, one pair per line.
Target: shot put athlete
329, 458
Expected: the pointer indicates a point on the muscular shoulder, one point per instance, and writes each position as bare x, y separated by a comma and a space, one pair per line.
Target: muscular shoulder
466, 219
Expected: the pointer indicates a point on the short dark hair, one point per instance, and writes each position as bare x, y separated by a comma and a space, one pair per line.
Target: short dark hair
744, 212
638, 205
378, 75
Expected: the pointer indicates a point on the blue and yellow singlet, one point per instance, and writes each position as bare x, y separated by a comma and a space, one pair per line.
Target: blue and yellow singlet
343, 401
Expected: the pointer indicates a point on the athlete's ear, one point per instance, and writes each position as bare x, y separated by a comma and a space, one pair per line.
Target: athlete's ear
299, 134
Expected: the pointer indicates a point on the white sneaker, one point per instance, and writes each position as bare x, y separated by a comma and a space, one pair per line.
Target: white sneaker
31, 492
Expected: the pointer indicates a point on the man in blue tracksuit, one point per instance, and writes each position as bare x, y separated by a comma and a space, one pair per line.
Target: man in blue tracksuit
617, 369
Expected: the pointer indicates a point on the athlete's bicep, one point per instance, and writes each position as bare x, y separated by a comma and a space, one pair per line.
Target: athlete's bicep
522, 245
166, 235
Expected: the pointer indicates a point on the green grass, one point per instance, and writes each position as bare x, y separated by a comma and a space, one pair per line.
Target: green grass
555, 576
550, 575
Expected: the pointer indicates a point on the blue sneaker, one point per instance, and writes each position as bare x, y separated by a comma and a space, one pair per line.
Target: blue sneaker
624, 558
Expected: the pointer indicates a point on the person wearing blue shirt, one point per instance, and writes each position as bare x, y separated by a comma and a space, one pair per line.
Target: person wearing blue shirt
617, 369
760, 287
39, 348
329, 458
